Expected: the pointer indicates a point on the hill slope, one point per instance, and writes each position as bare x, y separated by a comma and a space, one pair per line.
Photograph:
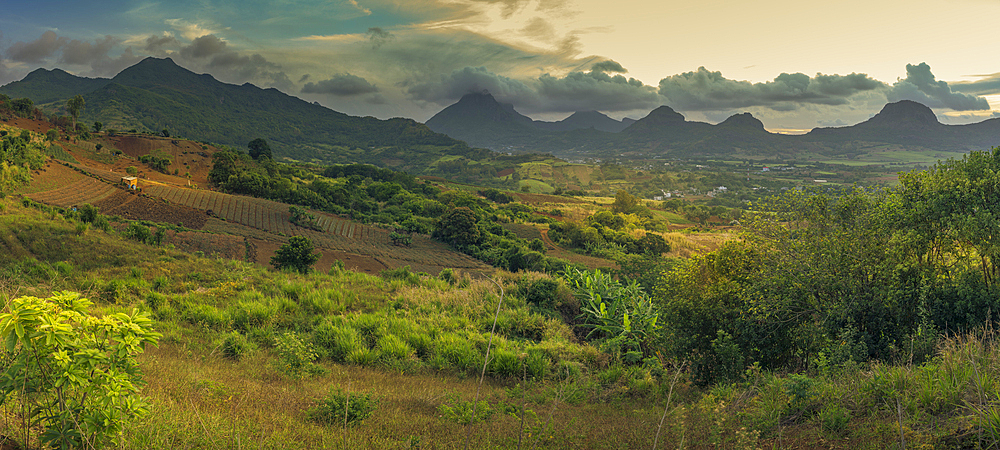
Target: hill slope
480, 120
46, 86
157, 94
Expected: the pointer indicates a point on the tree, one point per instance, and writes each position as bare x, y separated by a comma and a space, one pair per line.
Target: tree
458, 226
98, 126
51, 135
165, 133
297, 254
23, 107
259, 149
80, 370
624, 203
74, 105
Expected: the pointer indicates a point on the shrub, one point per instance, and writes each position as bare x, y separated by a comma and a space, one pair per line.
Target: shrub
136, 232
504, 364
460, 412
296, 357
297, 255
83, 401
343, 408
236, 346
392, 347
337, 342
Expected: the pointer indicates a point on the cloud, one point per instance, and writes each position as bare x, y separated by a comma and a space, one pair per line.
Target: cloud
608, 66
579, 91
204, 46
359, 8
986, 85
212, 54
109, 67
705, 90
84, 53
539, 28
921, 86
189, 30
155, 44
378, 37
253, 67
509, 7
35, 51
448, 88
342, 85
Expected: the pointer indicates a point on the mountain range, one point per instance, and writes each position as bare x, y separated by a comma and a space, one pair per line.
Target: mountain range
482, 121
157, 94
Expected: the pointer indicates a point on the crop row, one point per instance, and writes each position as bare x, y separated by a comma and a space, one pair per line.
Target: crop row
83, 190
256, 213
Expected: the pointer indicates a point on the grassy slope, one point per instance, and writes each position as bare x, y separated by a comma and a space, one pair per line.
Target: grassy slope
202, 400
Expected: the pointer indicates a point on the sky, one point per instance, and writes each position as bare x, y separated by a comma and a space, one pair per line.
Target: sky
793, 65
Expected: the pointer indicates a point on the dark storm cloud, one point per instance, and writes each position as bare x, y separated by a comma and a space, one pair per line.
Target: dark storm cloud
921, 86
579, 91
253, 67
448, 88
608, 66
204, 47
378, 37
214, 55
156, 44
342, 85
109, 67
84, 53
35, 51
706, 90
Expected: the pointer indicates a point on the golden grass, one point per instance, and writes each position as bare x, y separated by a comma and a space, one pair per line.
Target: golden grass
203, 401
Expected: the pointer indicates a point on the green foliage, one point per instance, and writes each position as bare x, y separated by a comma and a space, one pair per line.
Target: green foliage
236, 346
621, 316
461, 412
339, 408
303, 218
156, 163
400, 239
258, 149
624, 203
496, 196
458, 226
295, 357
74, 106
80, 369
297, 255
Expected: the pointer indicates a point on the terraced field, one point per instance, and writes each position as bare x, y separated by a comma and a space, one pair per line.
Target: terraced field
262, 223
71, 188
271, 220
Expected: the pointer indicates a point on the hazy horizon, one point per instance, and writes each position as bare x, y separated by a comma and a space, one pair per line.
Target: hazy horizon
793, 66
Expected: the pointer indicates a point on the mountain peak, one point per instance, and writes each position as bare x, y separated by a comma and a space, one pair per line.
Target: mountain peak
744, 120
905, 111
664, 114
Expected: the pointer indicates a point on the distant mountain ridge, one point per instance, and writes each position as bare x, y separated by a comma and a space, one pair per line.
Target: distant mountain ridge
157, 94
46, 86
665, 132
479, 119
